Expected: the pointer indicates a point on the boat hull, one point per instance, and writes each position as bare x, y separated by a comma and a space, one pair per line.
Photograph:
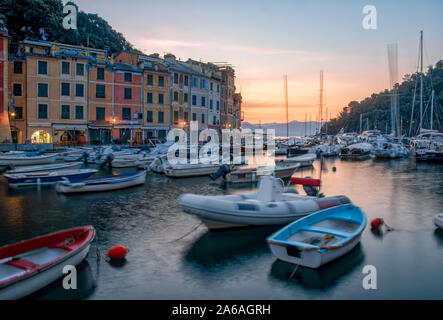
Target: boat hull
40, 179
438, 221
190, 172
252, 176
27, 161
48, 167
81, 187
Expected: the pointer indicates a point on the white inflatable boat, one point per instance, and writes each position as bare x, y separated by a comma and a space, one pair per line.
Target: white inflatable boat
271, 205
438, 220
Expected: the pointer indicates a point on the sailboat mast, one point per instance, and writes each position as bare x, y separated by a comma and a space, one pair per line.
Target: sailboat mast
320, 107
286, 104
432, 108
421, 80
306, 115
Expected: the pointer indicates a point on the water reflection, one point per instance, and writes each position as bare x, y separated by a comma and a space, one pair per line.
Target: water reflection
220, 248
438, 234
322, 278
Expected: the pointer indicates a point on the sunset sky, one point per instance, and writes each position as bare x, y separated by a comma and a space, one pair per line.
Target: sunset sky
264, 40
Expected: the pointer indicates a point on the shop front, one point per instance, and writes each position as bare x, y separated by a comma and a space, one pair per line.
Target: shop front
69, 135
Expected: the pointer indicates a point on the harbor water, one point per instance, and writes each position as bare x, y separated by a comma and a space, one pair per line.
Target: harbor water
173, 256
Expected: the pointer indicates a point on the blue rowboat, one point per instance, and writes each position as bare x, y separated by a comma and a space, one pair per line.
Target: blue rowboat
43, 178
320, 237
107, 183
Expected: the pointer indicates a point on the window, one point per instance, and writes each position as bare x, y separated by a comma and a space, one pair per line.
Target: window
175, 96
126, 113
128, 77
79, 90
66, 88
128, 93
42, 90
186, 116
175, 116
194, 100
79, 112
100, 73
66, 112
80, 69
203, 84
195, 82
160, 117
175, 78
218, 88
65, 67
185, 97
211, 104
212, 86
218, 105
194, 116
160, 98
17, 89
100, 91
203, 102
149, 116
18, 67
99, 113
149, 97
203, 118
161, 81
18, 113
43, 111
149, 80
43, 67
186, 81
214, 120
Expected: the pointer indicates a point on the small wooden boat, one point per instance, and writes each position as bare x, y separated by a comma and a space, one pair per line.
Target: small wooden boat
271, 205
46, 167
438, 220
305, 160
252, 175
107, 183
28, 266
357, 151
320, 237
136, 160
43, 178
190, 170
26, 160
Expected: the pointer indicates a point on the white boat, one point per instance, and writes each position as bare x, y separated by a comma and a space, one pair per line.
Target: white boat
107, 183
252, 175
45, 178
357, 151
271, 205
320, 237
190, 170
28, 266
326, 150
135, 160
438, 220
387, 150
305, 160
25, 160
46, 167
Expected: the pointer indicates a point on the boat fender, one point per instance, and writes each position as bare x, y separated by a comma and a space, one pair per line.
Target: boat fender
376, 223
117, 252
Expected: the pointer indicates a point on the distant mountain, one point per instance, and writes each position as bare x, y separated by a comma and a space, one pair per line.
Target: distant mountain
296, 128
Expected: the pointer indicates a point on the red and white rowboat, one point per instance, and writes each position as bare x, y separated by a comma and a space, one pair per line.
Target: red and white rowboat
30, 265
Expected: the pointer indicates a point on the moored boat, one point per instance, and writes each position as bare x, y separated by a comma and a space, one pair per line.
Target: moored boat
304, 160
252, 175
190, 170
44, 178
28, 266
320, 237
26, 160
107, 183
357, 151
271, 205
46, 167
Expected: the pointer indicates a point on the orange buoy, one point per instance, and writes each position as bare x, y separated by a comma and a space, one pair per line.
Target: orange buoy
376, 223
117, 252
334, 169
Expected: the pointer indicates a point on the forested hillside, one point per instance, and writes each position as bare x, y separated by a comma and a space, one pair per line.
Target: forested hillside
376, 108
42, 19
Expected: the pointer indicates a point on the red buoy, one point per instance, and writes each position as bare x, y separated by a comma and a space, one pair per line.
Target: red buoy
117, 252
376, 223
334, 169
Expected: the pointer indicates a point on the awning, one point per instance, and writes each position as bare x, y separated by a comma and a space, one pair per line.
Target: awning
155, 128
70, 127
39, 125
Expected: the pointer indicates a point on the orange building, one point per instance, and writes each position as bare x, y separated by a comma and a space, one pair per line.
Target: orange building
17, 98
5, 135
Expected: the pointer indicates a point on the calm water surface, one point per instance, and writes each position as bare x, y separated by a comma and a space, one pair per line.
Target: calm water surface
173, 256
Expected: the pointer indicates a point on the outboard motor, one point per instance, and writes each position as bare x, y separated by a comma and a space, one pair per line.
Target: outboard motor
83, 157
222, 171
312, 191
107, 161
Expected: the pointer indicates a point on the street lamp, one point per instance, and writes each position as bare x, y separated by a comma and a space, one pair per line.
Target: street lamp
15, 129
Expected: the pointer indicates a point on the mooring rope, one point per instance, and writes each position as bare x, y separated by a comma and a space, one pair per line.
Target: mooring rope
188, 233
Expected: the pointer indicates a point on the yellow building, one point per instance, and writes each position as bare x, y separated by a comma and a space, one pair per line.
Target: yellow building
17, 98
